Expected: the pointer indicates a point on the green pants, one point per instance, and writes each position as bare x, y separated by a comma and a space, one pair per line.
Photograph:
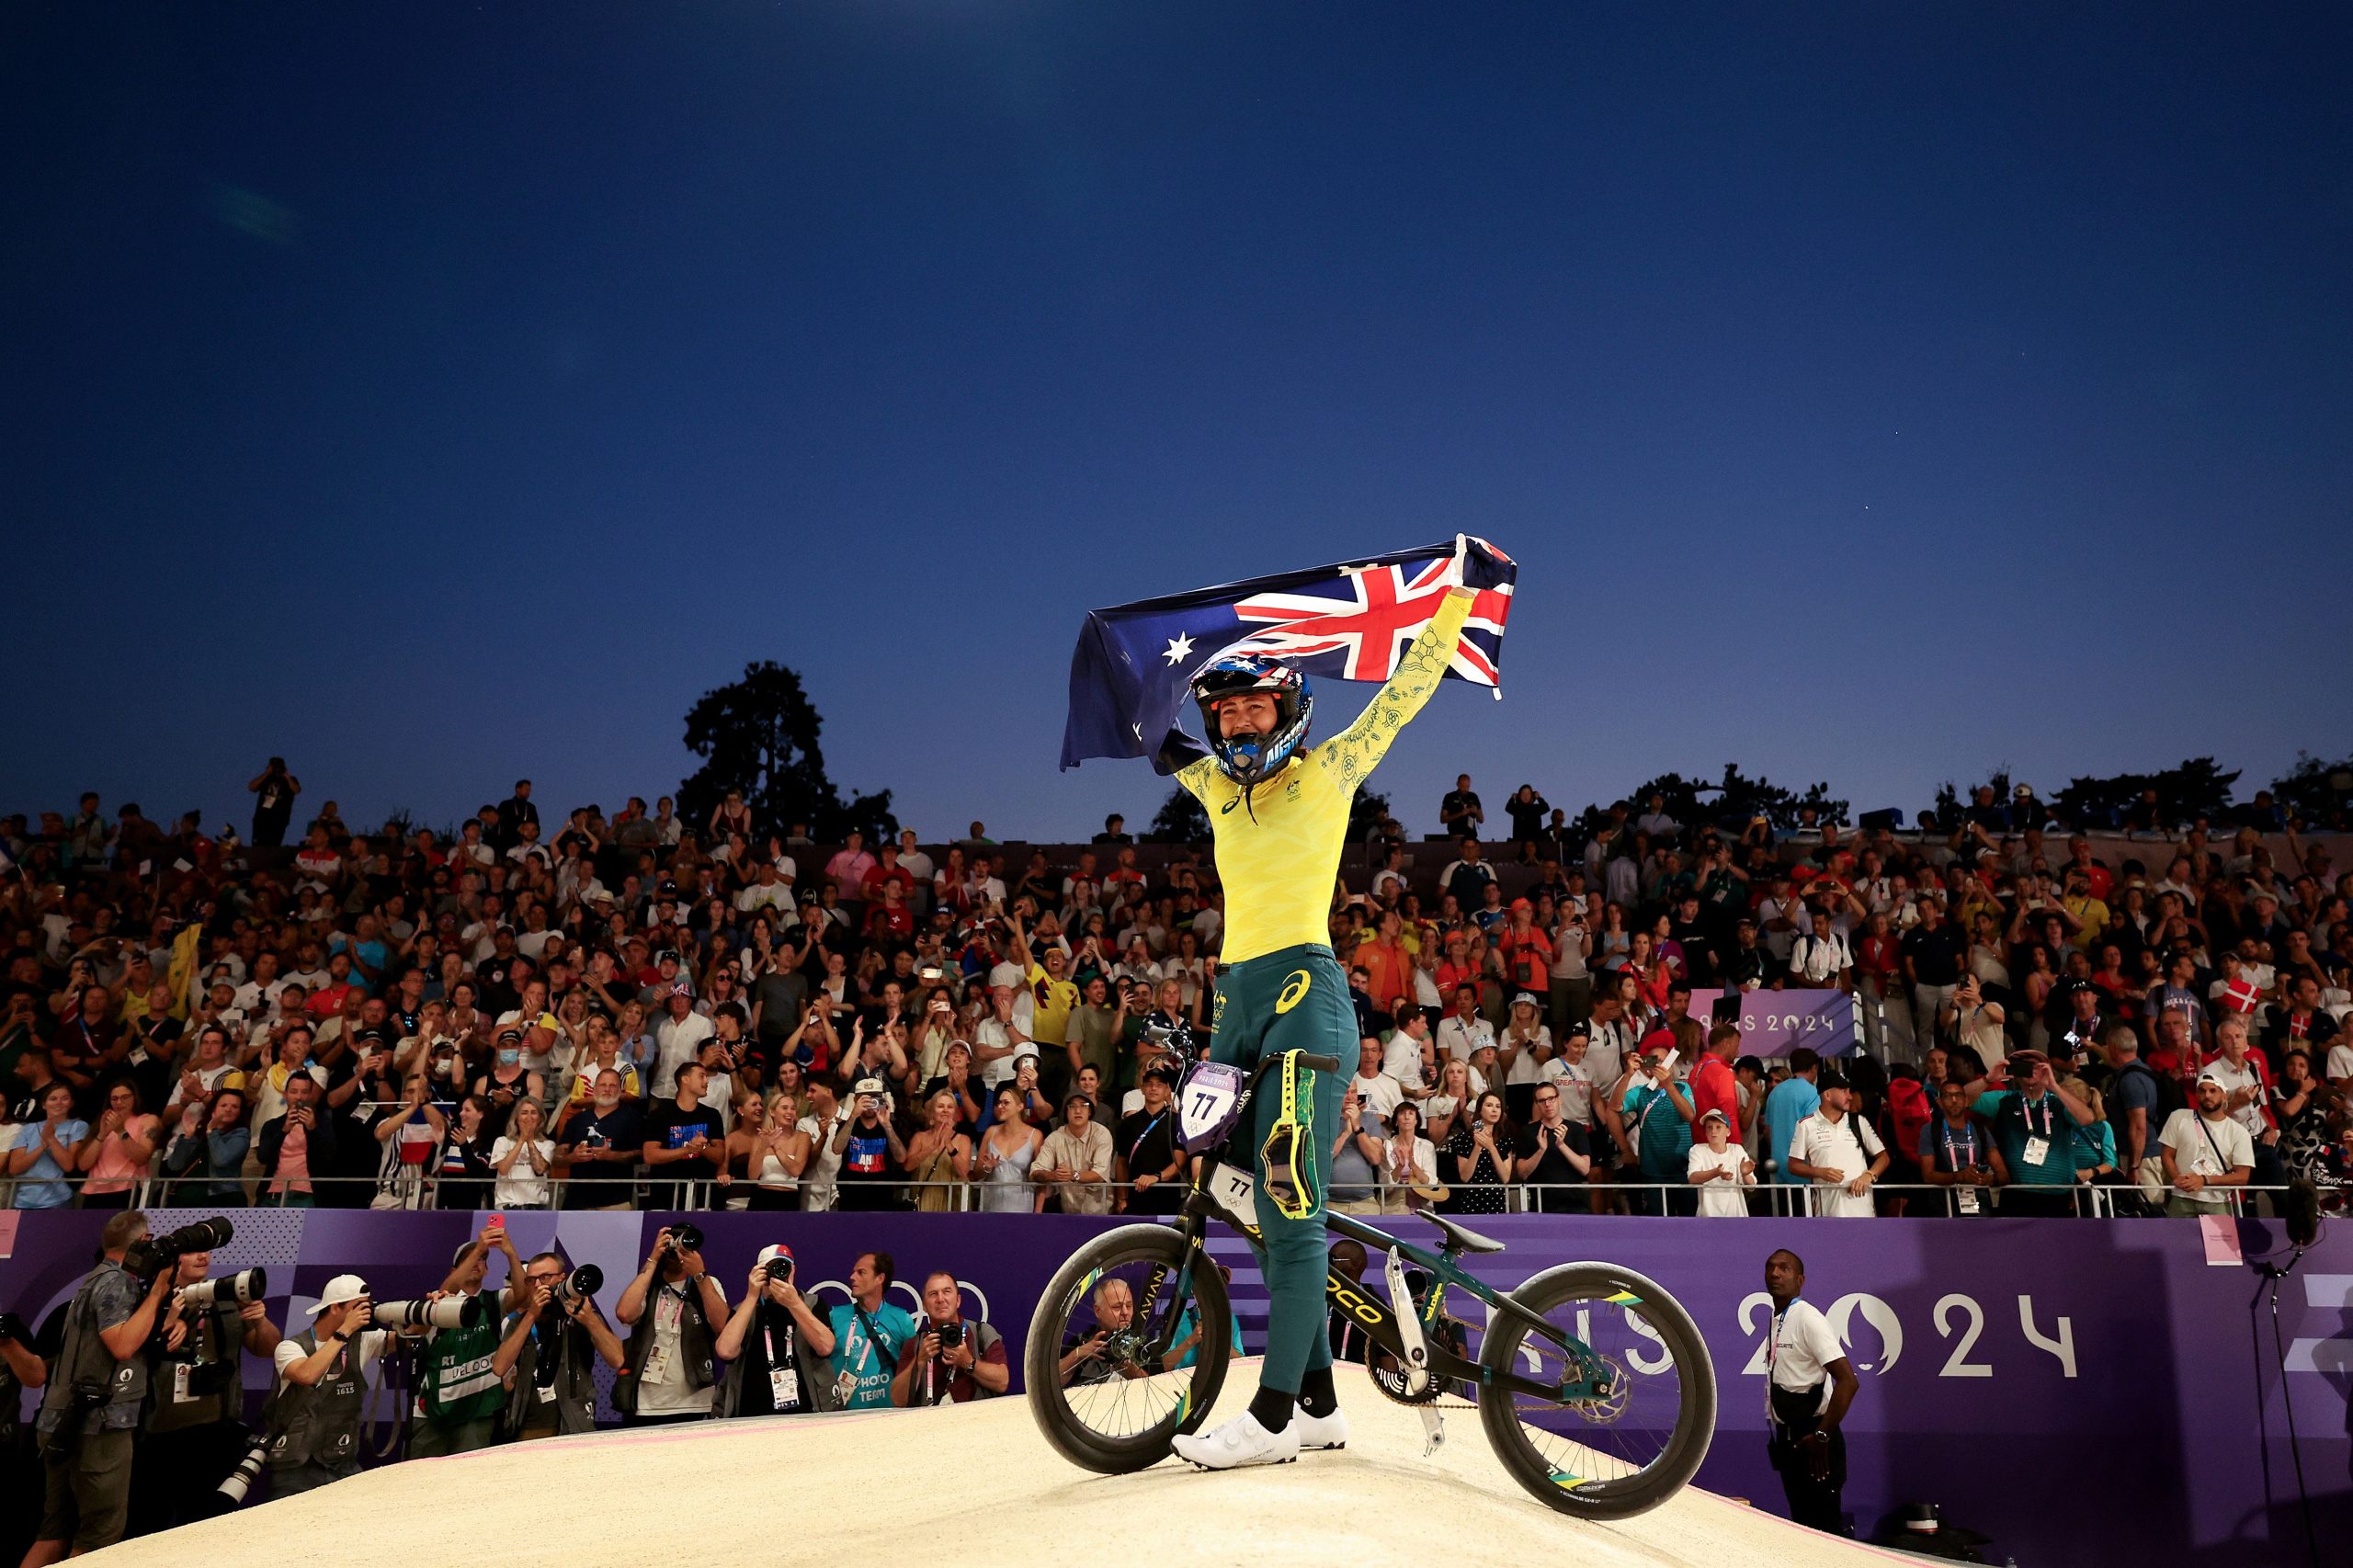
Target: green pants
1292, 999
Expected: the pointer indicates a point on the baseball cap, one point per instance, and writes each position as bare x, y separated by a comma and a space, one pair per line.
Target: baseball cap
2210, 1077
1830, 1078
868, 1085
510, 1032
341, 1288
773, 1251
1708, 1116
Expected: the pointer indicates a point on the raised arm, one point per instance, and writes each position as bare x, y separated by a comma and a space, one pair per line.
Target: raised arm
1354, 752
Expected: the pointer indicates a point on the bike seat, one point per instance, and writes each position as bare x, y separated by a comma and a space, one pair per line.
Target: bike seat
1461, 1238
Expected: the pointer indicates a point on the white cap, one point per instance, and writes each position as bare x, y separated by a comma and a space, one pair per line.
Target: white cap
341, 1288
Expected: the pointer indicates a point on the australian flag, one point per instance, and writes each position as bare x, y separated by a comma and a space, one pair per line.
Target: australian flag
1130, 674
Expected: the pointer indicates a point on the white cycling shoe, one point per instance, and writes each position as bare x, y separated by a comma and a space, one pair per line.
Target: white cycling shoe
1317, 1433
1239, 1443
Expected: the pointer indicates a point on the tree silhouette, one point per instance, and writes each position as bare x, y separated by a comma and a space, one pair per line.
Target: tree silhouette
759, 735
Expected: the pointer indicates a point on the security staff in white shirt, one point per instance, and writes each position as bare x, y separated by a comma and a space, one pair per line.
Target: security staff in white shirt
1838, 1152
1809, 1384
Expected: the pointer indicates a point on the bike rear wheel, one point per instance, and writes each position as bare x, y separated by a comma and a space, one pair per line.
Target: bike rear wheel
1118, 1410
1622, 1454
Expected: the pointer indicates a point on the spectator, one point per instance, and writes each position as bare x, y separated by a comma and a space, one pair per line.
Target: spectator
296, 1145
273, 790
1480, 1149
2206, 1151
950, 1360
1715, 1086
1932, 959
1002, 1158
601, 1145
209, 1150
775, 1150
462, 1169
1074, 1163
667, 1368
1150, 1158
873, 1160
1551, 1155
548, 1355
774, 1367
685, 1139
1790, 1102
1656, 1106
1522, 1052
865, 1336
1838, 1152
522, 1159
939, 1157
1959, 1152
1353, 1184
2038, 1152
1460, 814
1409, 1176
48, 1151
1719, 1168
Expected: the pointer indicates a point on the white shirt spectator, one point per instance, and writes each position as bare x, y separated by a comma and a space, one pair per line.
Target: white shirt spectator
2234, 1079
522, 1186
1846, 1146
1721, 1199
1401, 1059
1380, 1093
1459, 1038
1576, 1083
1423, 1172
1819, 963
2206, 1149
1525, 1068
676, 1041
2340, 1063
764, 895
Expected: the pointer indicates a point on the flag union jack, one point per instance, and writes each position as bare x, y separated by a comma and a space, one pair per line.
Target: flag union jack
1131, 672
1371, 630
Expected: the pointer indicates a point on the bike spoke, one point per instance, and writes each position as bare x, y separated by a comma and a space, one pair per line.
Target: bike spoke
1600, 1443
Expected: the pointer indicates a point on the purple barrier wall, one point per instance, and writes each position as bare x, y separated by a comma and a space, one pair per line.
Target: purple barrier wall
2088, 1392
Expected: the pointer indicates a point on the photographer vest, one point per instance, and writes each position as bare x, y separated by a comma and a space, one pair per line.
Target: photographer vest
696, 1344
207, 1369
571, 1386
458, 1384
318, 1425
816, 1379
88, 1388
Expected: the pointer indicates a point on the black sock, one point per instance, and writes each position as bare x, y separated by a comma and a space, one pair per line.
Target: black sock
1316, 1396
1272, 1409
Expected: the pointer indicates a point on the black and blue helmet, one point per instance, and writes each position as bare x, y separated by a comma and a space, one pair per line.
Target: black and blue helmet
1253, 760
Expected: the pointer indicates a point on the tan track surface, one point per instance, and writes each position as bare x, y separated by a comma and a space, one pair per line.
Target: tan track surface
973, 1485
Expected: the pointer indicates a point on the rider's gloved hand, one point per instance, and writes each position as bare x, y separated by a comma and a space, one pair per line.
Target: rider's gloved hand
1479, 564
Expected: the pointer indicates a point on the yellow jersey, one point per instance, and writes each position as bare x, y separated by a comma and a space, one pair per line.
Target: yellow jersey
1279, 857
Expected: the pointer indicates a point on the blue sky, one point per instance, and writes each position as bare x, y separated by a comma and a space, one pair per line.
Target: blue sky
438, 394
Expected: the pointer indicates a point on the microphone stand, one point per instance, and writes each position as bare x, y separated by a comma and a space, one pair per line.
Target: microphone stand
2276, 1274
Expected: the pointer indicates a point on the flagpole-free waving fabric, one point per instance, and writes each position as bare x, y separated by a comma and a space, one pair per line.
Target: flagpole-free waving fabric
1351, 620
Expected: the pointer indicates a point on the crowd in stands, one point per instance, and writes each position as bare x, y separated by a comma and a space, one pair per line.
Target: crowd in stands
639, 1011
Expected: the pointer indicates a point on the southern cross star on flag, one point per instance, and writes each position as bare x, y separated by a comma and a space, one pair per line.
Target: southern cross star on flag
1130, 674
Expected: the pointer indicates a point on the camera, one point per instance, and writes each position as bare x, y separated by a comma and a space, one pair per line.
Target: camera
686, 1238
246, 1285
951, 1333
777, 1271
450, 1312
151, 1255
241, 1479
575, 1289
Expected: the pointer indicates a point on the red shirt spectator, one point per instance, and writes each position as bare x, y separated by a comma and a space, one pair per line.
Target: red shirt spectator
1713, 1088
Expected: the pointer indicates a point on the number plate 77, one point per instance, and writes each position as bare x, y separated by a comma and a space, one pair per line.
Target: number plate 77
1208, 1104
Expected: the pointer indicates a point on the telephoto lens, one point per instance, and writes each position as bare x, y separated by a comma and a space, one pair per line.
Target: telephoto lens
241, 1479
246, 1285
686, 1238
578, 1286
450, 1312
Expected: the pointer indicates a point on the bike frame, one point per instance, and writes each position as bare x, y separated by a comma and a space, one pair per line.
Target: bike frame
1373, 1316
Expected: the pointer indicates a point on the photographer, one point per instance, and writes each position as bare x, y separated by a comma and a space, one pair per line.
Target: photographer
195, 1433
546, 1357
89, 1410
22, 1368
773, 1365
669, 1309
951, 1361
458, 1394
314, 1417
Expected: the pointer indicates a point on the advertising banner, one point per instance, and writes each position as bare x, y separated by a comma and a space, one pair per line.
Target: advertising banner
1775, 1023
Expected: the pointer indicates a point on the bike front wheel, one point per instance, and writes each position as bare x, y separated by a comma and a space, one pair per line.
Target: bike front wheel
1121, 1361
1639, 1404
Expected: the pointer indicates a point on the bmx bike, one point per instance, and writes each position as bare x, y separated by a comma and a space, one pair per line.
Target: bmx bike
1593, 1385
